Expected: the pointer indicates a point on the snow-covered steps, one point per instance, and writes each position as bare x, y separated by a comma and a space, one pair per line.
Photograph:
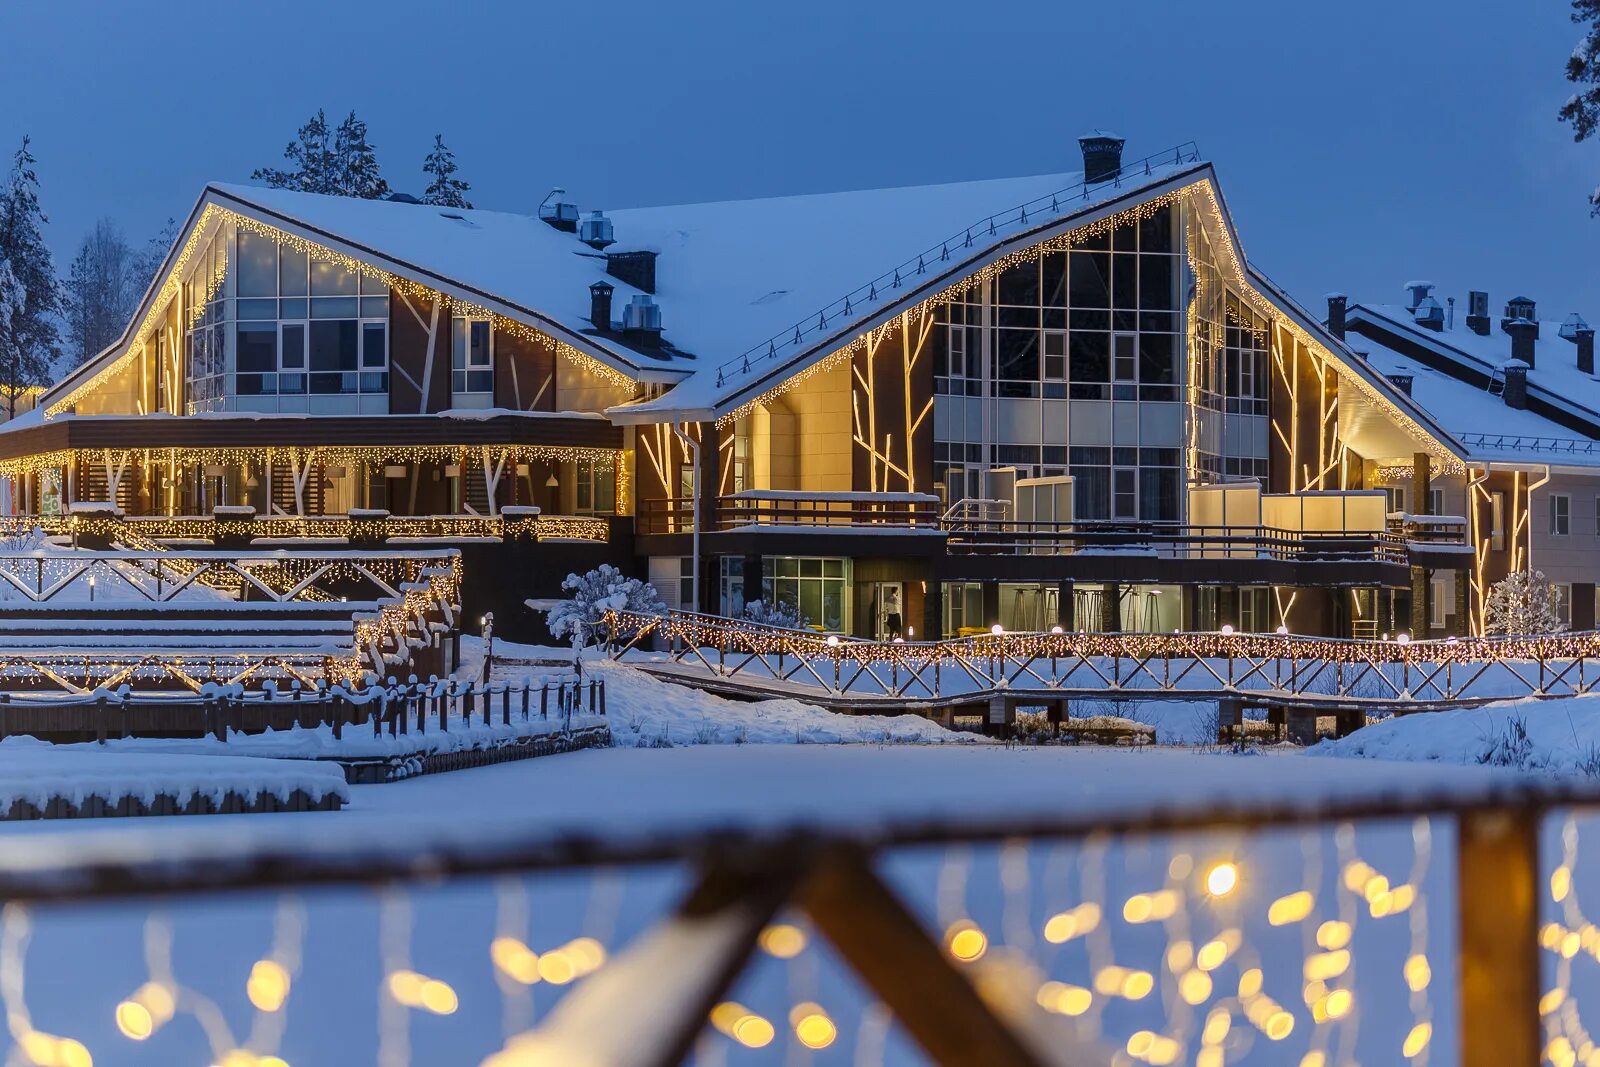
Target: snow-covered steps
44, 781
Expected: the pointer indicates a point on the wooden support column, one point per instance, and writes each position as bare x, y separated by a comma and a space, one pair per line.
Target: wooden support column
1228, 606
1421, 483
752, 581
1110, 609
991, 604
1463, 623
1421, 599
1498, 888
1066, 610
933, 611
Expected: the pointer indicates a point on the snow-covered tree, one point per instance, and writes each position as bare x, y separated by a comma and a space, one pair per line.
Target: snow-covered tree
775, 613
1582, 109
1523, 602
310, 154
356, 171
30, 338
100, 291
593, 594
444, 188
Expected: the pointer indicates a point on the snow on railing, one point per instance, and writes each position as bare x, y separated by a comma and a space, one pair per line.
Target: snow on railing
1051, 204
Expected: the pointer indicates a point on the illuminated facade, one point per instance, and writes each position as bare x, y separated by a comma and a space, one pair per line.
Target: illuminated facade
1082, 409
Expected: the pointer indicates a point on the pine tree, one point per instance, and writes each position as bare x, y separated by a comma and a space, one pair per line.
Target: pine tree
29, 336
313, 169
101, 289
444, 189
1582, 109
1523, 602
356, 171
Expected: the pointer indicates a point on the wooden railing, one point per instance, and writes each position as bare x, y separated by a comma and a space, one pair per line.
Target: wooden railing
1000, 939
377, 528
1383, 675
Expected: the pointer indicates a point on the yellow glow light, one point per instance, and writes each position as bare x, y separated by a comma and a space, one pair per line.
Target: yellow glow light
134, 1021
1064, 999
783, 940
268, 986
515, 960
1222, 879
1417, 1040
812, 1026
965, 941
1291, 908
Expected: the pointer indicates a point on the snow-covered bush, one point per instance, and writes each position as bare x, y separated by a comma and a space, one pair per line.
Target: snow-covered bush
775, 613
1523, 602
601, 590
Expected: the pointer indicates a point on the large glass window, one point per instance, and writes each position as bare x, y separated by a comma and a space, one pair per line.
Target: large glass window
818, 588
596, 486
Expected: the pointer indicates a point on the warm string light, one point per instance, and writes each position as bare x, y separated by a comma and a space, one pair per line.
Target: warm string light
201, 233
320, 527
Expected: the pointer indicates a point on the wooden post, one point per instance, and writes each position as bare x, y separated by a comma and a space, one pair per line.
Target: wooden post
1497, 885
886, 945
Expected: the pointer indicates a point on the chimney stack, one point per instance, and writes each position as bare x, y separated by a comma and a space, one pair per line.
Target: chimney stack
1337, 303
1585, 341
556, 210
1102, 156
637, 269
595, 231
1523, 335
1521, 308
600, 305
1419, 293
641, 322
1516, 385
1478, 312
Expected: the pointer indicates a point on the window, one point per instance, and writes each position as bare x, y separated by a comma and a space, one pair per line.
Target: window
471, 356
1560, 514
335, 356
1124, 364
1497, 521
1435, 501
597, 487
1395, 499
958, 351
1125, 493
1437, 597
1563, 595
818, 588
1055, 355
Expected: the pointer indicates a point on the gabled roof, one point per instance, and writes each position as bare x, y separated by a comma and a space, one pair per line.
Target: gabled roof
1554, 380
1488, 429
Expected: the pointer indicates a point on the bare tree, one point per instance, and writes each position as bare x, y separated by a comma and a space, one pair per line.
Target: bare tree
101, 289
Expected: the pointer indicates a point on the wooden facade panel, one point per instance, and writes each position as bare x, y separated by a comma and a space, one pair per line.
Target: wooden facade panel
524, 372
418, 328
892, 406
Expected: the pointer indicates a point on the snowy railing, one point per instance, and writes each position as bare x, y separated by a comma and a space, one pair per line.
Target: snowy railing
1161, 908
1513, 442
142, 531
1399, 674
957, 246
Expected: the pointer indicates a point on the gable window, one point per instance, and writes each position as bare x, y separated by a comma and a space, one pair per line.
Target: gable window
471, 358
1560, 514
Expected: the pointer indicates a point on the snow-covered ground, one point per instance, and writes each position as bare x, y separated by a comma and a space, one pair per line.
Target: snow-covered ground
1558, 735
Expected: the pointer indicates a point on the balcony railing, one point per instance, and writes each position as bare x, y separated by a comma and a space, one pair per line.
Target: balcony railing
776, 509
1171, 540
148, 530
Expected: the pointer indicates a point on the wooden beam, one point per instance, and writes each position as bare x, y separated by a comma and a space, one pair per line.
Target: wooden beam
647, 1006
886, 945
1497, 877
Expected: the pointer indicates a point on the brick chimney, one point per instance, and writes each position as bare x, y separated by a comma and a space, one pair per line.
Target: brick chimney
637, 269
600, 304
1516, 385
1102, 156
1523, 335
1585, 339
1337, 302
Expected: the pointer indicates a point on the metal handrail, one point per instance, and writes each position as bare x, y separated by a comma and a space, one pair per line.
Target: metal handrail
1580, 446
989, 226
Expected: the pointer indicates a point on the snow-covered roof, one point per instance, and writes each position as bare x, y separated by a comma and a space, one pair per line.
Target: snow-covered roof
764, 284
1554, 379
1489, 430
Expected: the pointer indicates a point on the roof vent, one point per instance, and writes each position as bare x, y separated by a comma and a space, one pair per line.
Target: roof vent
1102, 156
1478, 312
1520, 308
641, 320
595, 231
1401, 382
402, 198
1429, 313
1574, 325
1419, 293
558, 211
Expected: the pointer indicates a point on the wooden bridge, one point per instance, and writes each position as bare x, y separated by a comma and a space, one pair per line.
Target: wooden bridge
994, 674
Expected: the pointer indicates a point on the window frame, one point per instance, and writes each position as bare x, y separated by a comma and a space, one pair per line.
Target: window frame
1560, 515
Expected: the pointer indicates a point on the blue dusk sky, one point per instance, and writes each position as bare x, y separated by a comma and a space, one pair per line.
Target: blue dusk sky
1359, 143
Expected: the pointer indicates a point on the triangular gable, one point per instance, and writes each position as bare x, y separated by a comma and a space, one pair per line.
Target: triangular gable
216, 205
